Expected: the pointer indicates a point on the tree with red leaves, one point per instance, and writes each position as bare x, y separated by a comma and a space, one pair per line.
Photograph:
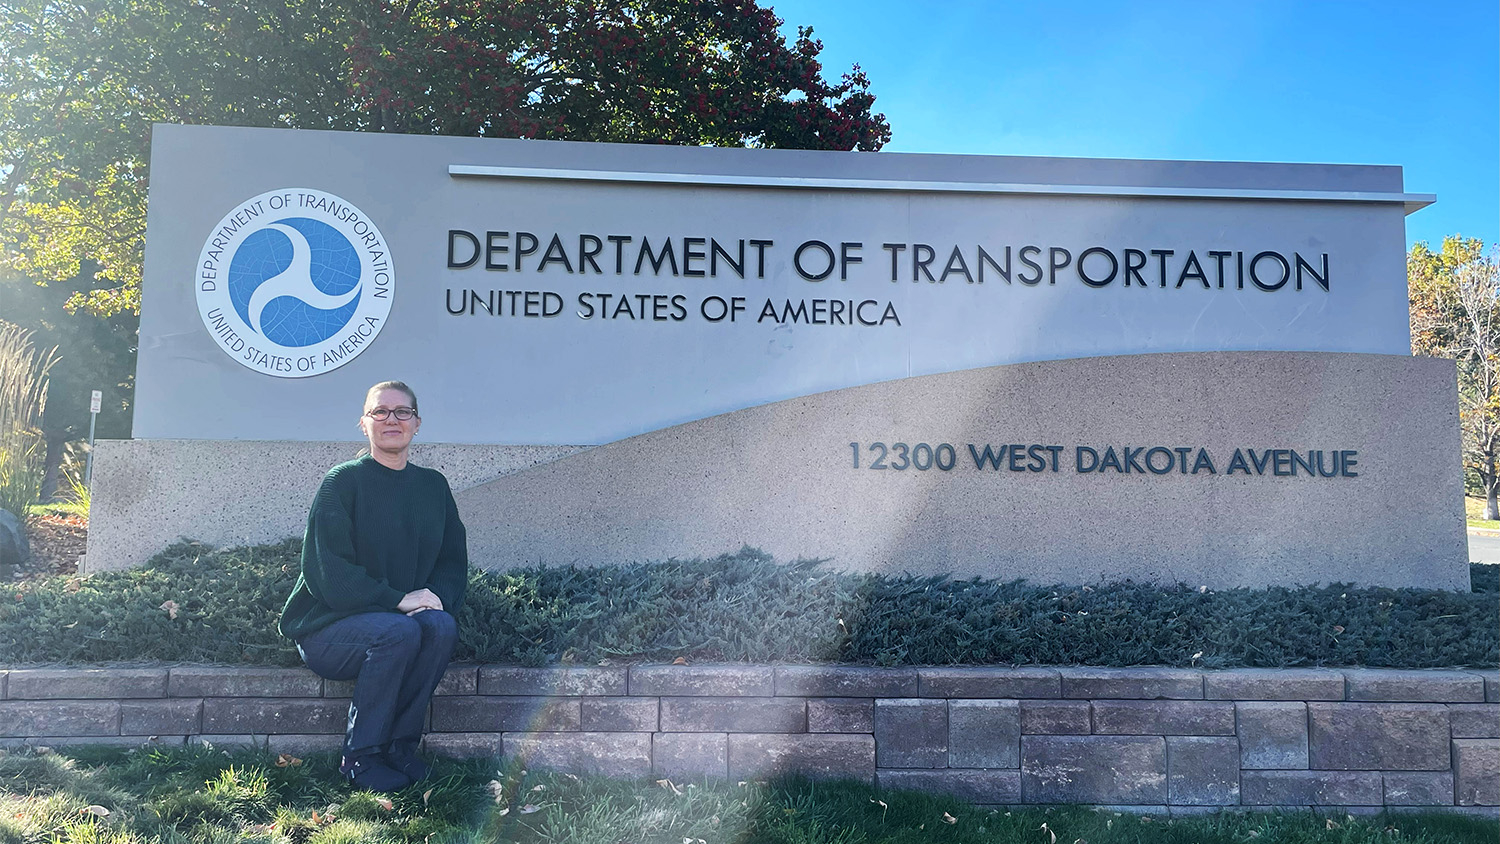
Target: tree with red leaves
656, 71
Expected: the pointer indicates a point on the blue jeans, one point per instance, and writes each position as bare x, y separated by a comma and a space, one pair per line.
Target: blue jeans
397, 660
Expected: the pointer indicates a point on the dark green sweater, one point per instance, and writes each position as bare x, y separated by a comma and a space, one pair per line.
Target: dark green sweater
373, 535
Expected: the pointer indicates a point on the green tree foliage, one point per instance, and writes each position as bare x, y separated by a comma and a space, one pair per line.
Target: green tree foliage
96, 353
23, 397
1455, 313
82, 83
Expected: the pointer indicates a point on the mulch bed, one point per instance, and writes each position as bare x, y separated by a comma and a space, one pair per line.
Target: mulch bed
57, 544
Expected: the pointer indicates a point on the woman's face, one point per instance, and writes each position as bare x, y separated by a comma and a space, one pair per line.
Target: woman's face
389, 434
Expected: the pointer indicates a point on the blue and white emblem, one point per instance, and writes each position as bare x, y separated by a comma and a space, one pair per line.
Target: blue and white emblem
295, 282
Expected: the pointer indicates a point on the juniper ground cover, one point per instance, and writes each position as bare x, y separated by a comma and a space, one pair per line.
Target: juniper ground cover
195, 604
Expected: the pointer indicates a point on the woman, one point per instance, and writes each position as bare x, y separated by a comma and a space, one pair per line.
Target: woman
384, 567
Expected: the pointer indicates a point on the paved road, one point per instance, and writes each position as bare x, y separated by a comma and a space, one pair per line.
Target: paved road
1484, 548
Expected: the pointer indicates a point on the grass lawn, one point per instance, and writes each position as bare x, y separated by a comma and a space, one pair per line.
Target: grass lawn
1474, 509
203, 794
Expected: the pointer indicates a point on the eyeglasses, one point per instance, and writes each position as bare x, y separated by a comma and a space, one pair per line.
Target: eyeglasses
403, 414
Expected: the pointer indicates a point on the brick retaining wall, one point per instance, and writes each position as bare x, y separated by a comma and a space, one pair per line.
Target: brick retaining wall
1167, 739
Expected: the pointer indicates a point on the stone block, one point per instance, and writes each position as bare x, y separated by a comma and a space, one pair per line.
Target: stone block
1419, 788
1383, 684
223, 740
569, 682
1132, 683
1272, 735
845, 681
340, 689
230, 716
459, 679
1056, 718
464, 745
703, 680
690, 755
1163, 717
98, 741
984, 734
841, 715
1476, 772
211, 681
911, 733
1294, 684
990, 682
1474, 720
733, 715
604, 754
1203, 771
618, 714
304, 743
1123, 770
822, 755
981, 787
1311, 788
1378, 736
1491, 686
86, 683
497, 713
72, 718
161, 717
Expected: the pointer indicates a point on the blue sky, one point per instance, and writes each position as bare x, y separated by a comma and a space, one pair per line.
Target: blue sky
1336, 82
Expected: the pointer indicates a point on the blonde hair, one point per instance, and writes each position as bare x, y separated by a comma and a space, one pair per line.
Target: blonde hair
391, 385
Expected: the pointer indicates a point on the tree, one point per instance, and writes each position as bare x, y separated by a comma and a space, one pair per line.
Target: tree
82, 82
1455, 313
95, 353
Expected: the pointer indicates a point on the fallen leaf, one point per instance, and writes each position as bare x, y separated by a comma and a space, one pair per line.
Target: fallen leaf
949, 819
171, 608
1049, 832
1338, 628
385, 803
1198, 655
426, 795
503, 812
1329, 824
497, 790
539, 788
287, 760
530, 808
70, 626
315, 818
97, 811
679, 661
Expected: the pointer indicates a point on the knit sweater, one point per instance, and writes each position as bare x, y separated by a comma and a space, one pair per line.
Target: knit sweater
373, 535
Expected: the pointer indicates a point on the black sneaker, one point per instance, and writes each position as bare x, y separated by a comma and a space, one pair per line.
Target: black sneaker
369, 772
407, 762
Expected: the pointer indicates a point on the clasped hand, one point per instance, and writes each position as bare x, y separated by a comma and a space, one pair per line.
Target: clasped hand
418, 601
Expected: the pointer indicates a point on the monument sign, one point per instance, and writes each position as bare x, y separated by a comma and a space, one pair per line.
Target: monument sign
1057, 369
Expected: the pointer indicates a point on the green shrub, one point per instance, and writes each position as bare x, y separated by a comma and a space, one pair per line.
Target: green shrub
745, 607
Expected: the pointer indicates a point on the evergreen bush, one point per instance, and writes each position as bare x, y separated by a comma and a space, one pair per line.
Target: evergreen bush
194, 604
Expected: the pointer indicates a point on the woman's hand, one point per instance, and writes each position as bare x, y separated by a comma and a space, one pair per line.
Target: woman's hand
419, 600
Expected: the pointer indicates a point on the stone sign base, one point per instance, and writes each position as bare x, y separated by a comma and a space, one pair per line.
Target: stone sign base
1218, 469
1153, 739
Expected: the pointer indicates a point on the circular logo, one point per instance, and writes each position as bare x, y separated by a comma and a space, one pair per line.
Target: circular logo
295, 282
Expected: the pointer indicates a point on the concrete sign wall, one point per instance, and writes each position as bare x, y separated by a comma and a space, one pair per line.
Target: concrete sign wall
554, 293
1064, 370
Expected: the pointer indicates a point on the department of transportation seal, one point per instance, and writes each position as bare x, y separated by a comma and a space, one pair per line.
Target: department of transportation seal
295, 282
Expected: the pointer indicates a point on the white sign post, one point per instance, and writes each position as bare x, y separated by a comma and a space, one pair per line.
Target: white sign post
96, 400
